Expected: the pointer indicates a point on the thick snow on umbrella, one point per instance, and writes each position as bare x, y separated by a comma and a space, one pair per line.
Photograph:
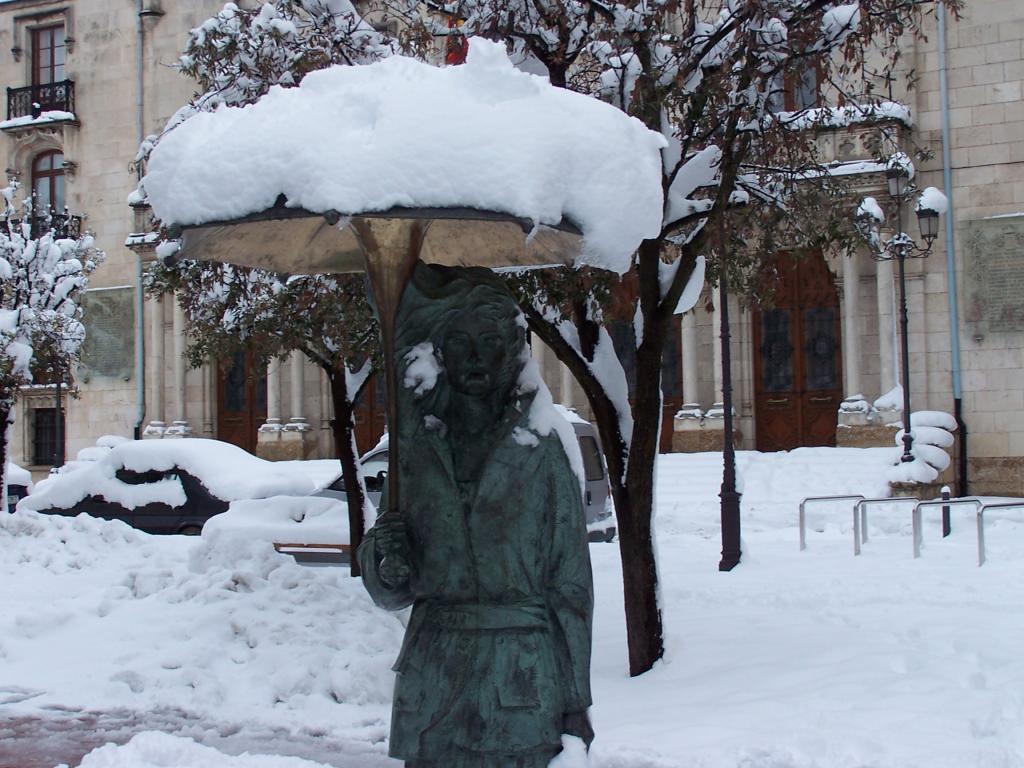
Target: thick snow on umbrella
403, 133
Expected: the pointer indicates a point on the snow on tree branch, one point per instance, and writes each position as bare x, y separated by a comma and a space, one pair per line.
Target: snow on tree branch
43, 278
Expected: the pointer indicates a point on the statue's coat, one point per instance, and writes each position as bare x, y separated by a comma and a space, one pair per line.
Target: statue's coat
497, 648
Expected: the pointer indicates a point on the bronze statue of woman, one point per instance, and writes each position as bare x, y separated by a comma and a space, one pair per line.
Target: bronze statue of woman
489, 544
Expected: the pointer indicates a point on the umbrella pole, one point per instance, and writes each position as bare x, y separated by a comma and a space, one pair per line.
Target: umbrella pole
391, 248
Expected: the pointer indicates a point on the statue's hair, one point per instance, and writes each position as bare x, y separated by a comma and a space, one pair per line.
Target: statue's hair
436, 298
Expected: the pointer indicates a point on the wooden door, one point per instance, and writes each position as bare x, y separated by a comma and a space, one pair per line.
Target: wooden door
241, 401
798, 358
370, 414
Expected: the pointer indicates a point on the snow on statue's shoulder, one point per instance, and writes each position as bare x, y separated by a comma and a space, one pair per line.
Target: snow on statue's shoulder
403, 133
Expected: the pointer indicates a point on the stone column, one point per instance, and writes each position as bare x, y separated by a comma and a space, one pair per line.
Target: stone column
887, 370
180, 426
855, 426
566, 394
691, 397
537, 352
297, 438
851, 338
324, 438
716, 350
688, 424
269, 433
273, 396
296, 420
209, 372
157, 425
326, 404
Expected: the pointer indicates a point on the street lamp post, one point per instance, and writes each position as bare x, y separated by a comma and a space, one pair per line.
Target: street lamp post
901, 247
730, 497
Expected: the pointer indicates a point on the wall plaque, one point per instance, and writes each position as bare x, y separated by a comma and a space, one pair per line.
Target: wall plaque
109, 349
993, 259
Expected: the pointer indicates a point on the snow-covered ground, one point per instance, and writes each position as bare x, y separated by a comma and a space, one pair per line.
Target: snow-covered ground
793, 660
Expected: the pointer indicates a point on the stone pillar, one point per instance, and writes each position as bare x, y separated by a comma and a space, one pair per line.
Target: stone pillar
716, 350
296, 420
858, 423
888, 375
268, 436
567, 387
325, 439
537, 352
691, 397
157, 425
851, 337
209, 372
688, 424
180, 426
273, 394
298, 441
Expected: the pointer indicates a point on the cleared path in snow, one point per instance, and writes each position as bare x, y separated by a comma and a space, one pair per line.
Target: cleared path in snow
56, 736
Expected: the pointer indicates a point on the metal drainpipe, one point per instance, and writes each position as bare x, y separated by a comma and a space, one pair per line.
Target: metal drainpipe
140, 338
954, 321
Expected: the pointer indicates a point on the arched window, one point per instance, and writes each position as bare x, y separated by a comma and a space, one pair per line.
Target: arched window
48, 181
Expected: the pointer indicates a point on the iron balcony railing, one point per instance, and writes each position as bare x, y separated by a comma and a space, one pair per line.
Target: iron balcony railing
64, 225
35, 99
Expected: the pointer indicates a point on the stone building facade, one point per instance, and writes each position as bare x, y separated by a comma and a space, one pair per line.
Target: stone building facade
838, 315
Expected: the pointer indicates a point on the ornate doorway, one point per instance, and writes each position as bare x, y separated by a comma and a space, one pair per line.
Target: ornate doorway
798, 358
241, 401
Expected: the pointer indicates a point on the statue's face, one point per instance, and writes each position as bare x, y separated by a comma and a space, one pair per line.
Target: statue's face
475, 351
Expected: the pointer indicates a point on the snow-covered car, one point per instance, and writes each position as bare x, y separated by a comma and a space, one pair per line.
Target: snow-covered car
596, 501
312, 529
19, 484
373, 466
165, 486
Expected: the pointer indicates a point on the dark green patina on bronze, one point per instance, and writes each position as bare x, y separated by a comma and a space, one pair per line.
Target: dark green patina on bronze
489, 545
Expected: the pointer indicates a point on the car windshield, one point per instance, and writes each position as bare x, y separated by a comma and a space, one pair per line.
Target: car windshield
593, 468
371, 468
375, 468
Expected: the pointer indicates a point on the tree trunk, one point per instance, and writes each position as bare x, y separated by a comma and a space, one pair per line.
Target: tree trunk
343, 428
632, 486
640, 571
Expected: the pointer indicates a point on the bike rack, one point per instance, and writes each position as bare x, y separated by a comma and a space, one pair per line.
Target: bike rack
860, 517
803, 513
972, 500
981, 523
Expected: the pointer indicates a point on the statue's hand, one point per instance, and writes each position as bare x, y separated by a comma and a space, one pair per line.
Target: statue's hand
394, 570
391, 546
578, 724
390, 536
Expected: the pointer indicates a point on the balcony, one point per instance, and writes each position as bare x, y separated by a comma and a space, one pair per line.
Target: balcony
33, 100
64, 225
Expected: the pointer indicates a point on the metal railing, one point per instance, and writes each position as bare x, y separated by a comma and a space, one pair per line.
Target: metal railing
974, 501
860, 514
62, 224
981, 523
981, 508
45, 97
803, 512
860, 517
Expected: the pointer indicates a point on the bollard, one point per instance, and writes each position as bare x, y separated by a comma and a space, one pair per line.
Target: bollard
946, 528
